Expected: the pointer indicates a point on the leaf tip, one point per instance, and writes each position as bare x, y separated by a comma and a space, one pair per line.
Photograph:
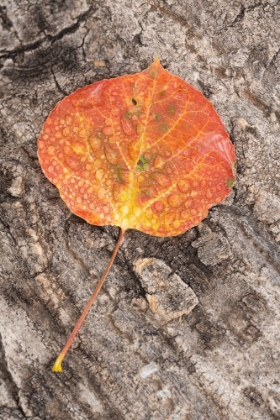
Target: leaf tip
156, 61
154, 69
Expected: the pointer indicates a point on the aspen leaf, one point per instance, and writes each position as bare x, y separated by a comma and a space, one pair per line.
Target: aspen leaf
144, 151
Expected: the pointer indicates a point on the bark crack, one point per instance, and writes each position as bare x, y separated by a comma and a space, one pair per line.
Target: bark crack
244, 10
12, 385
48, 38
159, 7
59, 88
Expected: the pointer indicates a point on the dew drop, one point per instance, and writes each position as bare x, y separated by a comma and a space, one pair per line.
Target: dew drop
108, 131
137, 211
175, 200
79, 147
67, 150
101, 193
125, 175
149, 192
125, 209
188, 203
115, 111
140, 128
159, 206
108, 121
86, 174
50, 150
162, 179
127, 126
98, 163
121, 193
177, 223
125, 223
132, 151
167, 153
68, 119
99, 174
111, 155
184, 214
82, 134
169, 218
159, 161
149, 214
141, 179
183, 186
95, 143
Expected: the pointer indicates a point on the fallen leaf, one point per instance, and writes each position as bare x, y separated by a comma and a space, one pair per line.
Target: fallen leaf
144, 151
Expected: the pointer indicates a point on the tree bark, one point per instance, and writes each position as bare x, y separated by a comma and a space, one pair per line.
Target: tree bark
215, 355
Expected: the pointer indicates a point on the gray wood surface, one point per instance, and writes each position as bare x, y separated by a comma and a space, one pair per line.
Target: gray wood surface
218, 360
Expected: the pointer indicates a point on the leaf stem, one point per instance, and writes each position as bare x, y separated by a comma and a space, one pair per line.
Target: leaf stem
57, 367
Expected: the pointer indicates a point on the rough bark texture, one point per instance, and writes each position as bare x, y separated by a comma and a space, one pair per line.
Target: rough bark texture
219, 358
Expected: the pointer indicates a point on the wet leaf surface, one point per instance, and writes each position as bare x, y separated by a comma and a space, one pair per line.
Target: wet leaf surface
144, 151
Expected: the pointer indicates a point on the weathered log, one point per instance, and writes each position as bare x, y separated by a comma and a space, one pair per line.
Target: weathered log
214, 354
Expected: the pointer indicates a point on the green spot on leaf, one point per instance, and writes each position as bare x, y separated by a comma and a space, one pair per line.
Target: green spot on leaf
230, 182
172, 108
142, 163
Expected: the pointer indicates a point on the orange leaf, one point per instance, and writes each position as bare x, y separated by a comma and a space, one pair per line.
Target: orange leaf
144, 151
